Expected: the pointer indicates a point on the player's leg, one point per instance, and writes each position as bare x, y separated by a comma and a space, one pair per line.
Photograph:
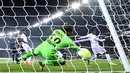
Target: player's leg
29, 54
95, 52
27, 49
98, 55
109, 59
93, 57
101, 50
41, 66
60, 61
61, 57
52, 60
12, 54
16, 56
24, 57
45, 62
88, 61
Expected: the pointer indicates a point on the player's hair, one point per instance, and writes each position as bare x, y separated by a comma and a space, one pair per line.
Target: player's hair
22, 31
68, 28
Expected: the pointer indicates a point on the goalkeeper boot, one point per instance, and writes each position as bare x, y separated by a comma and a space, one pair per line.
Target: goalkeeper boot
41, 66
28, 63
65, 64
111, 63
17, 60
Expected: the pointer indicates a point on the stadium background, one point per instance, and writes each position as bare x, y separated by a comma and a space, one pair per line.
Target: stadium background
29, 14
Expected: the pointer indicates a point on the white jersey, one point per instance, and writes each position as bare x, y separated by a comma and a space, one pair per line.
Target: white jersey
23, 36
95, 43
93, 39
25, 45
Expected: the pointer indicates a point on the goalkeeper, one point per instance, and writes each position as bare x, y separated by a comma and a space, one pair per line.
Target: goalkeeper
55, 42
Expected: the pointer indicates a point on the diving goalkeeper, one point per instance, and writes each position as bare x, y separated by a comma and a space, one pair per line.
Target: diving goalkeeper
56, 41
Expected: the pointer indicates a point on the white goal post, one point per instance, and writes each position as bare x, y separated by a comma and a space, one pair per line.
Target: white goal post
115, 36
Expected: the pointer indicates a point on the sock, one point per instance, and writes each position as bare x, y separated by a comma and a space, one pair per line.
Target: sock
93, 57
16, 57
108, 58
13, 57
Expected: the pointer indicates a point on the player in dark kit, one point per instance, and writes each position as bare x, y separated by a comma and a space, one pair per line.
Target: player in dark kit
12, 46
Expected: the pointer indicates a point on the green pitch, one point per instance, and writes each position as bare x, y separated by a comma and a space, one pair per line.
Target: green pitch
73, 65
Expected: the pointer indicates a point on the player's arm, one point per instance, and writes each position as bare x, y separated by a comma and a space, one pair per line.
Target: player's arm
75, 48
81, 40
73, 45
82, 37
23, 41
126, 33
70, 42
99, 39
21, 38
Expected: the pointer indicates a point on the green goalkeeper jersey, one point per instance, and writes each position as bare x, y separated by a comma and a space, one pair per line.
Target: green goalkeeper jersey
56, 41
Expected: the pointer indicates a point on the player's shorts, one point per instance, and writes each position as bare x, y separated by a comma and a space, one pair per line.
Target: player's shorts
22, 50
98, 50
26, 47
14, 51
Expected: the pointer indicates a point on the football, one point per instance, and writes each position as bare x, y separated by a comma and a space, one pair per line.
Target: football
84, 53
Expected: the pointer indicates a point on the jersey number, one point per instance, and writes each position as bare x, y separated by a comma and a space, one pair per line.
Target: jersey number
56, 40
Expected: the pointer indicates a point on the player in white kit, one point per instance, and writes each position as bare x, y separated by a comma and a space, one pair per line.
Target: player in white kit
96, 48
26, 47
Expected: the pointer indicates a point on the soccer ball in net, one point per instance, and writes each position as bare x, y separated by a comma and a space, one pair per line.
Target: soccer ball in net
84, 53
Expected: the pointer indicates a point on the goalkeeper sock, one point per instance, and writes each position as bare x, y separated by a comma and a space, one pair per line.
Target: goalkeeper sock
41, 66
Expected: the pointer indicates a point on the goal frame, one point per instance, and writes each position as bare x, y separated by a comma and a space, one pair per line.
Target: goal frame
114, 35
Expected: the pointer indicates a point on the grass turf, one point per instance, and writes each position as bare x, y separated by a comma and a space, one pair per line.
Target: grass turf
73, 65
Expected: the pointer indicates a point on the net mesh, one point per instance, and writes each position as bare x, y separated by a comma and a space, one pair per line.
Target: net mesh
41, 17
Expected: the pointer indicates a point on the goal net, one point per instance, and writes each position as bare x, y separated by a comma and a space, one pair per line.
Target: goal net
41, 17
